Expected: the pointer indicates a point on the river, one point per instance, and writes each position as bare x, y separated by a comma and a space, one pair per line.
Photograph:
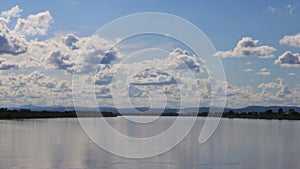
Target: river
236, 144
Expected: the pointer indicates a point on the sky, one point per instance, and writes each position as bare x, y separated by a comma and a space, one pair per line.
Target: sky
257, 41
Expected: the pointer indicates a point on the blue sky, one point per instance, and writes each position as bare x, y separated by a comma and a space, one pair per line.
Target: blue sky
225, 23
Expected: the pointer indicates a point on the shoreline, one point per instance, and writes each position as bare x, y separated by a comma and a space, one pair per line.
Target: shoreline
262, 117
6, 114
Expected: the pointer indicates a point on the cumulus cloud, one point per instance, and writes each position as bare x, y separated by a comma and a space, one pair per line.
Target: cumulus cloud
41, 89
248, 47
6, 65
263, 72
178, 61
98, 50
187, 60
292, 40
60, 61
269, 93
283, 90
152, 77
13, 12
70, 40
158, 75
288, 59
52, 54
12, 44
237, 96
37, 24
14, 41
269, 85
59, 54
34, 88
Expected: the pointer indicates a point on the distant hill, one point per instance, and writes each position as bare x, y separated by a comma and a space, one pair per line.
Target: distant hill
265, 108
141, 110
57, 108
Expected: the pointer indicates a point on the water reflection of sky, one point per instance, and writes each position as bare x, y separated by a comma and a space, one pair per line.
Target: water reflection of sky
61, 143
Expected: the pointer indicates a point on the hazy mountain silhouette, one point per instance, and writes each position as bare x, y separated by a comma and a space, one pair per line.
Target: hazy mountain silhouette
60, 108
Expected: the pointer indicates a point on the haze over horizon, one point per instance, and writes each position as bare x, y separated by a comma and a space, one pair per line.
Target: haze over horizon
40, 43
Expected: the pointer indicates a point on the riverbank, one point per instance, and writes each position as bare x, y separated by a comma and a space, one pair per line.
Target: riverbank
261, 116
28, 114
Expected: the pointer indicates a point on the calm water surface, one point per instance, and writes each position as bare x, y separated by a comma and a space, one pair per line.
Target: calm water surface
236, 144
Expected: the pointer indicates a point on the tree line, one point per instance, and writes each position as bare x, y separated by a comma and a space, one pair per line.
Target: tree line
6, 113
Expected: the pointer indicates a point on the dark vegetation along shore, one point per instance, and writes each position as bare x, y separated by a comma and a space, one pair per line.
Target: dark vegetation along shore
28, 114
291, 114
6, 113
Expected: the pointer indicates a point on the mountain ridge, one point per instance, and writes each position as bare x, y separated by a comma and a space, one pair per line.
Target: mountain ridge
60, 108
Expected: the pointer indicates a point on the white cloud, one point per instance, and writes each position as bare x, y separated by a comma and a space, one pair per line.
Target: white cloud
13, 12
59, 54
15, 42
291, 74
51, 54
6, 65
269, 85
34, 24
95, 51
70, 40
156, 75
283, 90
152, 77
178, 61
263, 72
156, 80
34, 88
12, 44
186, 60
292, 40
248, 70
248, 47
288, 59
60, 61
270, 93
